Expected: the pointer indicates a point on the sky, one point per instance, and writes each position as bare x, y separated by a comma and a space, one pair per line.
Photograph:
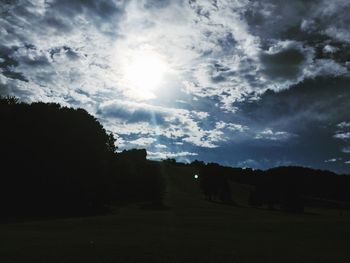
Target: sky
239, 82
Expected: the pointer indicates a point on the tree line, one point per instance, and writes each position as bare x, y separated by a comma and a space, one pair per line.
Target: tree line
61, 161
288, 188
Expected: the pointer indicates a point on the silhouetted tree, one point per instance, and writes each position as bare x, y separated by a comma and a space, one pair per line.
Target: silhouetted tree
214, 183
170, 161
138, 179
60, 161
55, 160
278, 187
198, 164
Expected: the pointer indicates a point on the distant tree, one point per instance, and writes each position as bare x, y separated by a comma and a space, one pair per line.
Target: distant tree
170, 161
280, 188
198, 164
138, 179
206, 184
214, 183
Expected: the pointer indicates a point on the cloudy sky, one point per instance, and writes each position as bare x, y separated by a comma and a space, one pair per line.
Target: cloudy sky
240, 82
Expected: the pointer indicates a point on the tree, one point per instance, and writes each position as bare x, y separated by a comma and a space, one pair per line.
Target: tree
214, 183
55, 160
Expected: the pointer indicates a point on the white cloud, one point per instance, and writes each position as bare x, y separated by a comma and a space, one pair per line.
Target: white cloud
343, 125
160, 146
332, 160
165, 155
249, 163
346, 149
141, 118
143, 142
325, 67
269, 134
237, 127
330, 49
342, 136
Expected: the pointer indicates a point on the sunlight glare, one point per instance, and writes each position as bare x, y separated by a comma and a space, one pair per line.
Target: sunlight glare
144, 72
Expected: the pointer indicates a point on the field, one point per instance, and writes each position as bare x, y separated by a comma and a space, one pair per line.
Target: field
188, 230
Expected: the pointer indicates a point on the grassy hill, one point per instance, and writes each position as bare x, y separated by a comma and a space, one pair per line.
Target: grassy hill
189, 230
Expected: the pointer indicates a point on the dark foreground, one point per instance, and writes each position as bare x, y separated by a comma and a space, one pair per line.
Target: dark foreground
189, 230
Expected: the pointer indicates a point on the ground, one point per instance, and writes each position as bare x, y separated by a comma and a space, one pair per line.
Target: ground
190, 229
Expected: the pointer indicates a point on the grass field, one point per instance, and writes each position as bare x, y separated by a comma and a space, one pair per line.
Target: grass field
189, 230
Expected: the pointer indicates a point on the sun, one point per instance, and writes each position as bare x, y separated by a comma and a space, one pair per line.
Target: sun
143, 73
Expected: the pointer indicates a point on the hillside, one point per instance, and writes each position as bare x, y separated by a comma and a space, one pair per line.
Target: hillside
190, 229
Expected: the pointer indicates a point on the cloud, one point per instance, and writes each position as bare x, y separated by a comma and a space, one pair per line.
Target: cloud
248, 163
133, 112
263, 163
160, 146
225, 60
103, 14
301, 19
165, 155
346, 149
332, 160
232, 127
172, 123
343, 136
330, 49
142, 142
269, 134
190, 127
284, 60
343, 133
343, 125
243, 79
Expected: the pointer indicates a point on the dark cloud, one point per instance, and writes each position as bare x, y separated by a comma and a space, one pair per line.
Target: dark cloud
6, 55
317, 25
227, 43
286, 64
313, 111
69, 52
305, 20
132, 113
220, 72
8, 63
14, 75
322, 99
272, 18
62, 16
100, 12
59, 23
151, 4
